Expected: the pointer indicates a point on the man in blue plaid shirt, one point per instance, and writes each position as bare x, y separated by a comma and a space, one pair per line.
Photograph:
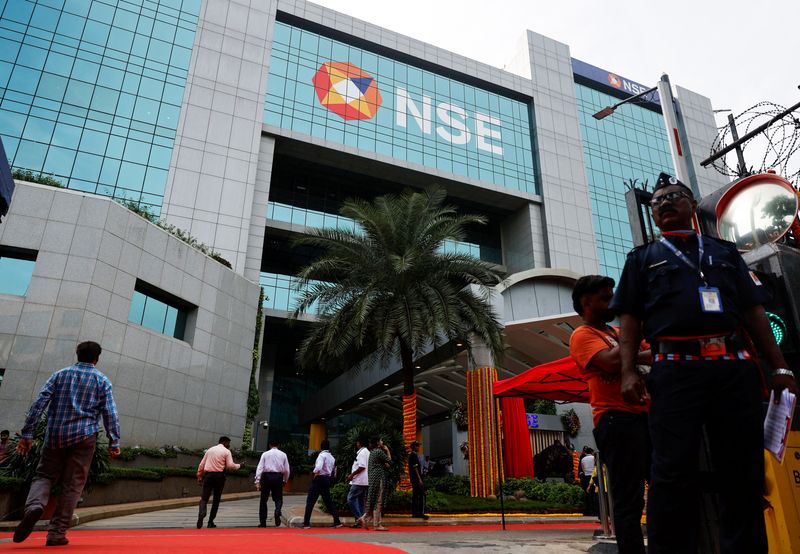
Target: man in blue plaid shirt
78, 396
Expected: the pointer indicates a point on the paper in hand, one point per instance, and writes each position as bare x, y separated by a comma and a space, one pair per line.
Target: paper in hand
778, 422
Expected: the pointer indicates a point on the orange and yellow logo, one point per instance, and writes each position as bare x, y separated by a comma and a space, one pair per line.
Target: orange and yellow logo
614, 81
347, 90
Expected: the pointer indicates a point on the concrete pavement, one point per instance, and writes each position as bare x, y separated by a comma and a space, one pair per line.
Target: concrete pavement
552, 537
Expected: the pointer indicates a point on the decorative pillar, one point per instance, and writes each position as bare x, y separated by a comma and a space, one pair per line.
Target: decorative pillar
409, 436
485, 465
316, 434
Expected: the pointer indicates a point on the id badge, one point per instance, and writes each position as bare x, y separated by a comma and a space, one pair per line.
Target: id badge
710, 299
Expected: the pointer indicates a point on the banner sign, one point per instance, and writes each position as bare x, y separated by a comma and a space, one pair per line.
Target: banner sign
612, 80
328, 89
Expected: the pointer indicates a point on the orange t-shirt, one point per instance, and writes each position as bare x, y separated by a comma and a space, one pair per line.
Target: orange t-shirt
604, 393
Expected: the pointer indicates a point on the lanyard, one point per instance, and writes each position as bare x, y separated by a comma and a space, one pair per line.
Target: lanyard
682, 257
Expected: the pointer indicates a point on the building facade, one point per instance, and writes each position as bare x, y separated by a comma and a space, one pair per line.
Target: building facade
248, 124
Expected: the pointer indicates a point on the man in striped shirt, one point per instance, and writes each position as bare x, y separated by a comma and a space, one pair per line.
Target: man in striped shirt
321, 486
78, 397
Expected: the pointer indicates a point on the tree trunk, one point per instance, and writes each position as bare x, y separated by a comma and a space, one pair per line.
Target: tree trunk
409, 411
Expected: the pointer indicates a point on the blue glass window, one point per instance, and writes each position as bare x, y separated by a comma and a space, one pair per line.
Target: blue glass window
630, 144
16, 270
75, 58
157, 311
423, 118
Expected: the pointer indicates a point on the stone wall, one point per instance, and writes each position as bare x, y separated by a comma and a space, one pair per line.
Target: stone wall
90, 253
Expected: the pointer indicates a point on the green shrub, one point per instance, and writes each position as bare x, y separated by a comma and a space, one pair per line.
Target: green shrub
300, 463
562, 493
457, 485
399, 502
129, 454
552, 493
11, 483
388, 429
31, 177
24, 467
135, 474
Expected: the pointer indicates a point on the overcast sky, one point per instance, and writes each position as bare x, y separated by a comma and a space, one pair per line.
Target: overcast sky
736, 52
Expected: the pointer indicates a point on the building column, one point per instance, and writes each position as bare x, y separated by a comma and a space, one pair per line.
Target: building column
561, 174
211, 187
485, 465
316, 434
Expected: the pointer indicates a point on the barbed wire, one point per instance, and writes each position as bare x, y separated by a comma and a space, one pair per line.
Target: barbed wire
775, 148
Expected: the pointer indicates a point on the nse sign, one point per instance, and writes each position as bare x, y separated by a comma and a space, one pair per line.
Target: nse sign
353, 94
327, 89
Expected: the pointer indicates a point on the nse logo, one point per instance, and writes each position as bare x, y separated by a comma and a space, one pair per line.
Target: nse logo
624, 84
347, 91
351, 93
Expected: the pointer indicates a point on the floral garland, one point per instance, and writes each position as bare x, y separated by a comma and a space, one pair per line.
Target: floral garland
572, 423
464, 447
459, 415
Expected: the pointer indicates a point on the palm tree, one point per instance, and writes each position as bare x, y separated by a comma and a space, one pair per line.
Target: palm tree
387, 288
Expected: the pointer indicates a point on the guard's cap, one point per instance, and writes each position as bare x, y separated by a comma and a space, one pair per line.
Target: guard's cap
667, 180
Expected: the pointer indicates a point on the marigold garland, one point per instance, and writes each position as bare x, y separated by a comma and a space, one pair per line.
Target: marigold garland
409, 436
485, 467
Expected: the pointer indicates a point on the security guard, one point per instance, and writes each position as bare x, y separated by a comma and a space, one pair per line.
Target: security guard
696, 302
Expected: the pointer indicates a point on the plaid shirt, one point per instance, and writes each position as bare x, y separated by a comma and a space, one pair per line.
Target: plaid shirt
78, 395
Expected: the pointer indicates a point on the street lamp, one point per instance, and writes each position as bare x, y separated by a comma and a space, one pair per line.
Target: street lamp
676, 135
608, 110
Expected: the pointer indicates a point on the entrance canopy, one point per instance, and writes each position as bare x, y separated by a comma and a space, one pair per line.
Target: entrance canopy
559, 380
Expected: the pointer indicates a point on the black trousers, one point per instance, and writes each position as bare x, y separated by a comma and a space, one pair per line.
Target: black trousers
624, 443
725, 396
320, 486
271, 483
590, 506
417, 500
212, 483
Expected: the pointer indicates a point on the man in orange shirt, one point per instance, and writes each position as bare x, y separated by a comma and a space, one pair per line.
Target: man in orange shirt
211, 475
620, 428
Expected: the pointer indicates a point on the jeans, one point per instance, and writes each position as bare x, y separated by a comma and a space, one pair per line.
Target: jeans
624, 444
726, 397
270, 483
320, 486
212, 483
70, 467
355, 499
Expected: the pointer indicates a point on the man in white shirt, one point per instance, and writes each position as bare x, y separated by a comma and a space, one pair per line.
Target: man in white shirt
359, 481
211, 475
321, 486
271, 474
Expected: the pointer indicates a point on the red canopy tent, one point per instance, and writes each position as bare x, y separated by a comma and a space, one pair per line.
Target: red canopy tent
559, 380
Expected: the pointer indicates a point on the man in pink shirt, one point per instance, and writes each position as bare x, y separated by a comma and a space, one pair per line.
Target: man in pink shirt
211, 475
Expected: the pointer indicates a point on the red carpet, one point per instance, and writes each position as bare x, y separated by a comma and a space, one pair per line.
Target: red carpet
235, 541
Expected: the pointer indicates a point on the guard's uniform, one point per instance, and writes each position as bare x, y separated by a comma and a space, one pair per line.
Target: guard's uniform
696, 381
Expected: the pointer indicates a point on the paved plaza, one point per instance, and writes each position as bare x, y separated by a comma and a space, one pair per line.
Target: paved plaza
174, 531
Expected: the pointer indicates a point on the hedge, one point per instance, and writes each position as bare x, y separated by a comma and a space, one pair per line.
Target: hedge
11, 483
399, 501
553, 493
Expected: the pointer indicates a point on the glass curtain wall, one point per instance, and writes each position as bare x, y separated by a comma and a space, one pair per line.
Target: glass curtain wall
91, 90
630, 144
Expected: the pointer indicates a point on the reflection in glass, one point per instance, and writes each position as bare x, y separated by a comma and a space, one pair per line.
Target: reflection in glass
157, 315
759, 214
15, 275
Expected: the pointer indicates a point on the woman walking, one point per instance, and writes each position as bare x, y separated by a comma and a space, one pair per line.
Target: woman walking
380, 460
